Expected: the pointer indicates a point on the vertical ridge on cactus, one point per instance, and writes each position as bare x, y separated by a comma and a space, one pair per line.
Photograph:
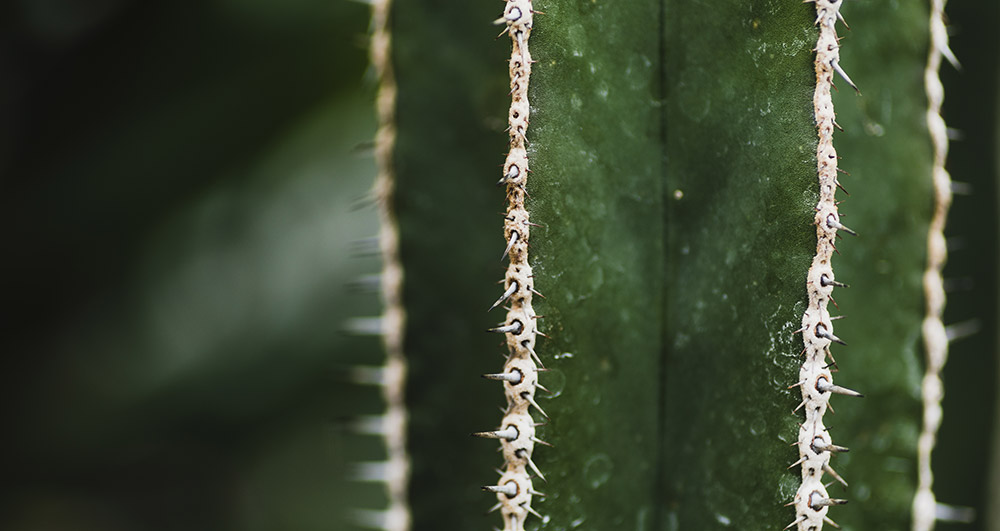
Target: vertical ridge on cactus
935, 335
514, 490
811, 502
397, 514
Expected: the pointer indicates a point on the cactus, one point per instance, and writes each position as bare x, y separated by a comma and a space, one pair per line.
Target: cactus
672, 202
689, 174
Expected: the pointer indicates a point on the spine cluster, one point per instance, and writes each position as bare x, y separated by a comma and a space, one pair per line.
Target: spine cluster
514, 490
934, 332
815, 377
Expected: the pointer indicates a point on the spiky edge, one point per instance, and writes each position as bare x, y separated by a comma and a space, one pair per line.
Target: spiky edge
514, 490
935, 335
815, 378
396, 516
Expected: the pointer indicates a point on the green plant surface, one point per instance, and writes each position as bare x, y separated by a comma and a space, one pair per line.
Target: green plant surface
741, 184
597, 191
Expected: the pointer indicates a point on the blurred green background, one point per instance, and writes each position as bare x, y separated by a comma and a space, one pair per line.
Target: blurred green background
181, 190
181, 184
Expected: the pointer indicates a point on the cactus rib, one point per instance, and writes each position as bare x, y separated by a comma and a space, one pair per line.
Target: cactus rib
397, 515
815, 378
934, 333
514, 490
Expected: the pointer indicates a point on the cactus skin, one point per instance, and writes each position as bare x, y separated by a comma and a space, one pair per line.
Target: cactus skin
679, 310
598, 259
740, 147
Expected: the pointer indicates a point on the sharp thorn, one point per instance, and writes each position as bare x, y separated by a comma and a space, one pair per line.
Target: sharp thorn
839, 70
514, 378
534, 355
831, 522
822, 331
826, 281
514, 327
535, 469
819, 445
506, 294
833, 223
841, 17
532, 511
531, 401
513, 239
508, 434
817, 500
509, 489
829, 470
822, 385
539, 441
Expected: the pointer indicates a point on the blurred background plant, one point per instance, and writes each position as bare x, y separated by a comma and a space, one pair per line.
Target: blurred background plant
181, 192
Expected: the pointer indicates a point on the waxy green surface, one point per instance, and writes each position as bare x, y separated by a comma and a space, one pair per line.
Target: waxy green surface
596, 187
741, 186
